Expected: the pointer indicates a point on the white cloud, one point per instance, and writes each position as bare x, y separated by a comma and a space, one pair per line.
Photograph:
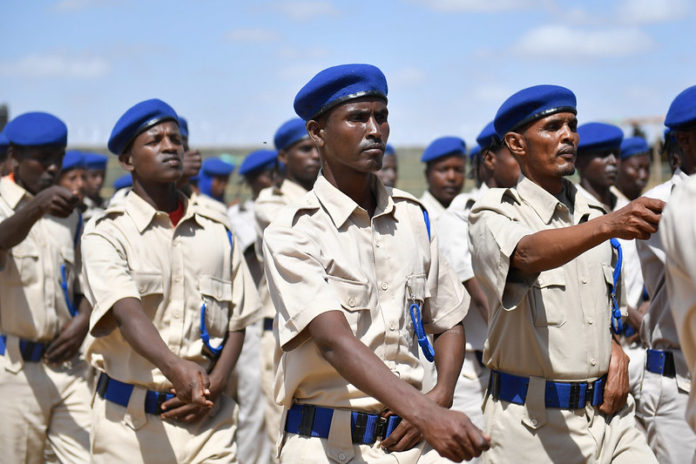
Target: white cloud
304, 11
56, 65
570, 43
481, 5
295, 53
652, 11
252, 35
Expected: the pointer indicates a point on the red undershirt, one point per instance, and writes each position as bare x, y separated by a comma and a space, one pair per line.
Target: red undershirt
176, 215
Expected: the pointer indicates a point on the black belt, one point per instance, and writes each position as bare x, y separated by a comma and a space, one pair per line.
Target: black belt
560, 395
31, 351
267, 323
660, 362
479, 357
120, 393
315, 421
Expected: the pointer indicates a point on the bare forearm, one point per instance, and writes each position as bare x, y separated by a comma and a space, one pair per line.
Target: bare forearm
450, 347
142, 335
228, 358
552, 248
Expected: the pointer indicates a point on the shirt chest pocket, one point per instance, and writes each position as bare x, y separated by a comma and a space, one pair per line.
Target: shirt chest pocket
150, 288
549, 297
23, 268
357, 301
216, 296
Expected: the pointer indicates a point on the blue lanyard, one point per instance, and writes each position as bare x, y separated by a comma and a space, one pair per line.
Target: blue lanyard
423, 341
205, 336
616, 324
63, 272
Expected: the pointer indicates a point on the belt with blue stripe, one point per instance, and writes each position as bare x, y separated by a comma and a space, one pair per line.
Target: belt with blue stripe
120, 393
660, 362
31, 351
267, 323
560, 395
315, 421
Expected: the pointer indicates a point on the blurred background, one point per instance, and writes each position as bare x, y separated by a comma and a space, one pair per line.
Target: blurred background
232, 68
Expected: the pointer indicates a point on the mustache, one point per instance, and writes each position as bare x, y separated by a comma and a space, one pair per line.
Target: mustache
369, 145
568, 151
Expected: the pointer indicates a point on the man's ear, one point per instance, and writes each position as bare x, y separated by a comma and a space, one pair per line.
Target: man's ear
516, 143
315, 129
126, 161
283, 156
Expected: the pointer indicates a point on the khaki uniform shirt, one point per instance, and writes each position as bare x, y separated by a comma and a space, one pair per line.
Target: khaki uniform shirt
242, 218
132, 250
32, 303
678, 236
269, 204
554, 324
434, 207
326, 254
92, 208
658, 330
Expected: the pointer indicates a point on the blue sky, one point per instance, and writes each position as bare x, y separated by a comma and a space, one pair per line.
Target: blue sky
232, 68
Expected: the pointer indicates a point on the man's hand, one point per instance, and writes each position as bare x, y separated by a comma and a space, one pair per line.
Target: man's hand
190, 413
405, 436
638, 219
616, 388
191, 163
191, 383
68, 342
56, 201
452, 434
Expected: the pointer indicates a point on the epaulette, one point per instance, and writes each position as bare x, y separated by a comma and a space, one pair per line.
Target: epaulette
309, 202
402, 195
210, 209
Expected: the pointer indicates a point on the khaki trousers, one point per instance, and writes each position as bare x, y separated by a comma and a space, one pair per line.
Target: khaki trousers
43, 408
532, 433
662, 410
130, 435
273, 410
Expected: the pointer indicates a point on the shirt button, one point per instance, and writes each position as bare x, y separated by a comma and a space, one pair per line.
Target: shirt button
584, 281
341, 457
378, 243
351, 302
385, 286
593, 362
392, 326
590, 321
534, 422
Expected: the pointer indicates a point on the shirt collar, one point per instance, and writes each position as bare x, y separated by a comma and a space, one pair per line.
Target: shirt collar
340, 206
292, 189
143, 213
545, 204
12, 193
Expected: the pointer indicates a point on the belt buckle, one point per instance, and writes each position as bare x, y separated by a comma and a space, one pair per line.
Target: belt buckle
381, 428
358, 429
162, 397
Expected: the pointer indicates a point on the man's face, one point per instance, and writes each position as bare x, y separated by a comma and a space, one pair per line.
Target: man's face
445, 177
94, 180
156, 155
634, 173
389, 172
218, 186
301, 162
37, 168
74, 180
599, 169
262, 180
687, 143
551, 147
355, 134
506, 169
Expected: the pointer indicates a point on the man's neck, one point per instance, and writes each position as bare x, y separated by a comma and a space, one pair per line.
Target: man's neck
600, 193
162, 197
305, 185
356, 185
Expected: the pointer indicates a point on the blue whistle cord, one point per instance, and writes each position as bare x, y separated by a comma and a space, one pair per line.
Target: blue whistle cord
423, 341
64, 285
205, 336
616, 324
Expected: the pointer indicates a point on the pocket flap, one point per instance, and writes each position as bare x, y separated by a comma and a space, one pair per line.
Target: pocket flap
608, 274
215, 288
68, 254
353, 295
148, 283
552, 278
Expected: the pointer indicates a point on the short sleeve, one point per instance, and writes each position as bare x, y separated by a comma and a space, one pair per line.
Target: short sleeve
494, 237
245, 299
453, 233
105, 272
297, 280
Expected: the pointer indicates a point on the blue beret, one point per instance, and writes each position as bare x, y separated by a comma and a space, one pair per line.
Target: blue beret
183, 126
124, 181
634, 146
444, 146
339, 84
35, 129
214, 167
475, 150
290, 132
73, 159
389, 150
137, 120
682, 111
258, 160
4, 143
531, 104
487, 136
598, 136
95, 161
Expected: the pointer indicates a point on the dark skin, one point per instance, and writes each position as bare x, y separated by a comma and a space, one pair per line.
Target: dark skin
545, 150
257, 181
75, 181
445, 177
301, 163
598, 172
218, 186
687, 144
634, 173
389, 173
94, 180
155, 161
351, 139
